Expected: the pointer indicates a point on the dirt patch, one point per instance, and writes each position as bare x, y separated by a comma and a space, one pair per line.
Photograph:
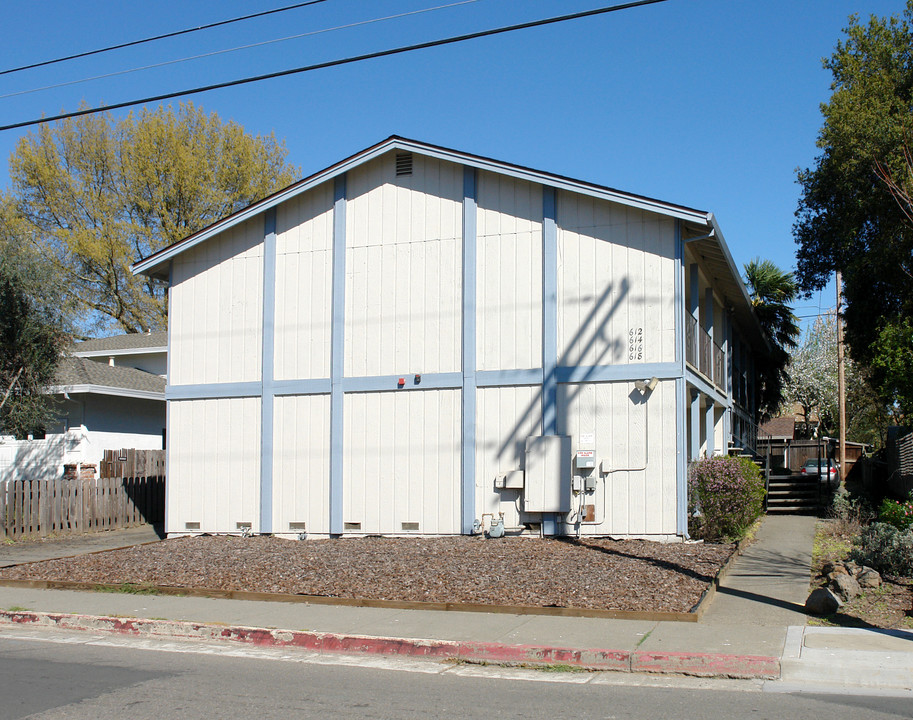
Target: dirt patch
887, 606
596, 573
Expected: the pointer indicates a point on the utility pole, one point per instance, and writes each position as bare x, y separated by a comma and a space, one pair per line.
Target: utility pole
841, 381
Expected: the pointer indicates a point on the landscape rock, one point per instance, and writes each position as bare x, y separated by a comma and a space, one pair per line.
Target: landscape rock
833, 568
868, 578
846, 586
822, 601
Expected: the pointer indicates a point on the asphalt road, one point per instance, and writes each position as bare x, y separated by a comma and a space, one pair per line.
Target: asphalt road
72, 676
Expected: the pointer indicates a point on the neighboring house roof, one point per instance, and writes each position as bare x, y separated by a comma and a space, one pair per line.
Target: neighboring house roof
700, 227
122, 344
79, 375
781, 428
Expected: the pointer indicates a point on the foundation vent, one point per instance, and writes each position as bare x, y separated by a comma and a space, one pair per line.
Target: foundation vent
406, 526
351, 526
297, 526
243, 525
191, 526
403, 164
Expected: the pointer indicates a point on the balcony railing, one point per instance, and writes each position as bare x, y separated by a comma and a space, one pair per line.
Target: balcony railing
691, 341
704, 355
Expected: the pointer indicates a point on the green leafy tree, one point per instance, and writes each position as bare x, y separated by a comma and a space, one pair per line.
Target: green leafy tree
772, 290
892, 368
848, 217
33, 333
98, 193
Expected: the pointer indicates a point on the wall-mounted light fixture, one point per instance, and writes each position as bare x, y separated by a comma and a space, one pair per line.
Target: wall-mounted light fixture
646, 386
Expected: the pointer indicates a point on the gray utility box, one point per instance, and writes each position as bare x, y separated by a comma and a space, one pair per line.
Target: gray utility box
548, 474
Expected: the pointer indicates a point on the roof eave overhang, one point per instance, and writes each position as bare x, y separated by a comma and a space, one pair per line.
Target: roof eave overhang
158, 264
106, 390
118, 353
729, 280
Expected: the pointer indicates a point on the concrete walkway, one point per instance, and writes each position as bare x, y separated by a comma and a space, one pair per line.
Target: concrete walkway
754, 627
69, 545
768, 584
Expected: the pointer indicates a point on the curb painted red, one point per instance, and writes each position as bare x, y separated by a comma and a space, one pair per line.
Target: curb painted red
702, 665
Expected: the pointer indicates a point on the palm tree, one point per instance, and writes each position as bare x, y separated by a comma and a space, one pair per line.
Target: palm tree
772, 290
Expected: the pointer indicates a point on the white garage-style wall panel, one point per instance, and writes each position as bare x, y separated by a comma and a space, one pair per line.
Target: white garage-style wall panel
403, 267
304, 263
509, 276
213, 465
216, 314
505, 417
616, 279
635, 435
301, 469
402, 462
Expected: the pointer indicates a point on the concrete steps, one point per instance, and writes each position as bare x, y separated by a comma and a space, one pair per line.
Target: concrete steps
793, 494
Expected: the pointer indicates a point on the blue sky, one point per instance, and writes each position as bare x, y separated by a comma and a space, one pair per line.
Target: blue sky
712, 104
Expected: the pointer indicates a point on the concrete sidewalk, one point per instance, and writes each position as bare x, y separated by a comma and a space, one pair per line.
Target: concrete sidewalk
70, 545
753, 629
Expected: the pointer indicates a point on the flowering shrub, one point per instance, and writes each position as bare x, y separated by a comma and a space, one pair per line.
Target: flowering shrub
885, 548
726, 496
898, 514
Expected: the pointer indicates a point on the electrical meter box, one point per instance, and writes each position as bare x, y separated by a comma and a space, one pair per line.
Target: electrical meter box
586, 459
548, 474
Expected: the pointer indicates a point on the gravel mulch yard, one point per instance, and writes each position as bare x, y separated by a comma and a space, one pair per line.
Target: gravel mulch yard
588, 573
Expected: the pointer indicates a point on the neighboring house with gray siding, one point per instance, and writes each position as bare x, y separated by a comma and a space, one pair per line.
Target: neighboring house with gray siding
110, 394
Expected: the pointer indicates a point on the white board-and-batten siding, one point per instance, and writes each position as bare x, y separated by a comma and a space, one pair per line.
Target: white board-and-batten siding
403, 286
616, 275
403, 300
402, 462
215, 322
213, 465
304, 264
509, 285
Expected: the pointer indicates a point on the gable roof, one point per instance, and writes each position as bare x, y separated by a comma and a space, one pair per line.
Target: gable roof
75, 374
779, 428
118, 344
699, 225
156, 265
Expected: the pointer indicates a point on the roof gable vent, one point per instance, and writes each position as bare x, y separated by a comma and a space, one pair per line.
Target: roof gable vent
403, 164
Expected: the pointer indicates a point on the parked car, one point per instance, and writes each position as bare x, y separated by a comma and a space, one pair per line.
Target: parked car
813, 468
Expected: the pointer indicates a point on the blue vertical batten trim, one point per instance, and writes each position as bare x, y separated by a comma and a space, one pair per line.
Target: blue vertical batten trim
681, 464
708, 320
694, 306
679, 297
709, 419
468, 447
695, 425
549, 311
337, 354
727, 373
681, 409
709, 425
266, 371
168, 424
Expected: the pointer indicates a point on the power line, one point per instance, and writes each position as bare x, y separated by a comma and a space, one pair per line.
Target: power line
175, 33
336, 63
829, 313
235, 49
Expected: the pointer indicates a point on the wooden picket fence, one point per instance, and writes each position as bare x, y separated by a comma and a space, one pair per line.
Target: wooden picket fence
130, 491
